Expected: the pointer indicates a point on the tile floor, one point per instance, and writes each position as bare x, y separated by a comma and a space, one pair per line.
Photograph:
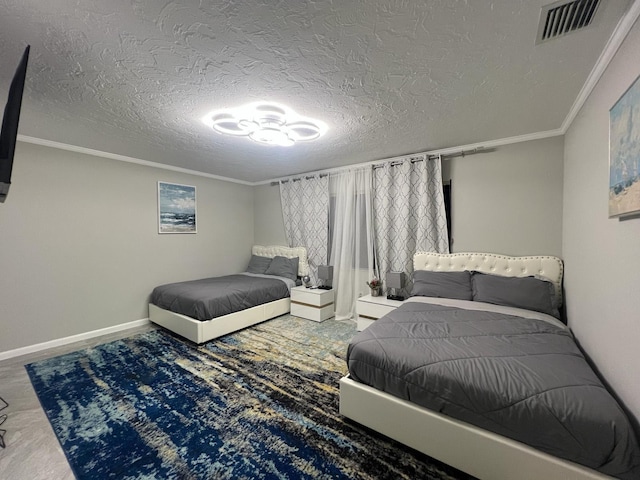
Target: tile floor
32, 450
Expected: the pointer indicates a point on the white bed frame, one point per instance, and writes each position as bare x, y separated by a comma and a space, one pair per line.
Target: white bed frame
478, 452
202, 331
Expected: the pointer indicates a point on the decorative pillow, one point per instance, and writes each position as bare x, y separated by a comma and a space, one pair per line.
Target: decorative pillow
258, 264
442, 284
522, 292
284, 267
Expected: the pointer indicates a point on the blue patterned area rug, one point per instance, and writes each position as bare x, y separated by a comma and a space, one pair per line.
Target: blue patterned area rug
257, 404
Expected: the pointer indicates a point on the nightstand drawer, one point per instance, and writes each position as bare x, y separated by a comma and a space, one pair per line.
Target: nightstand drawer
315, 297
373, 310
317, 314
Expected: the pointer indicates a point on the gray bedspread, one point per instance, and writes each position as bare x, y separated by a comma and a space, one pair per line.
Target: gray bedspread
214, 297
522, 378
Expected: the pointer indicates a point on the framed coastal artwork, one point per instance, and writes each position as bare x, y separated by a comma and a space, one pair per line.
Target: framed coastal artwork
176, 208
624, 154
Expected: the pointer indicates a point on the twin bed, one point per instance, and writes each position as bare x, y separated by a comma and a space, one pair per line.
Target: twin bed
202, 310
477, 371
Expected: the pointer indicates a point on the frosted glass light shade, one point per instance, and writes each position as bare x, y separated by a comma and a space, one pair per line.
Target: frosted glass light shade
266, 123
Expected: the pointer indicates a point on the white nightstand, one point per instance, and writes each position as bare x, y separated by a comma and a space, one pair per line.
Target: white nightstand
369, 309
312, 303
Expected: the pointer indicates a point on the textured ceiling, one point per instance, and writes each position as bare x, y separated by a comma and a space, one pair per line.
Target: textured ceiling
135, 77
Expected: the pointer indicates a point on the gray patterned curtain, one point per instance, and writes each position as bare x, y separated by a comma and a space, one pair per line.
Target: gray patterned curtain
409, 213
305, 210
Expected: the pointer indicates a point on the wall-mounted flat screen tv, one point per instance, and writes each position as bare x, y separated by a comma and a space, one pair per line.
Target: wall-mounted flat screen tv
10, 121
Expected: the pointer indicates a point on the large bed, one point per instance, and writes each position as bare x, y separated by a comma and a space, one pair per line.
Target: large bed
204, 309
481, 383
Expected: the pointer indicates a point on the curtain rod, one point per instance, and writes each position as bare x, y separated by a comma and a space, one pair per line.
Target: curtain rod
393, 161
461, 153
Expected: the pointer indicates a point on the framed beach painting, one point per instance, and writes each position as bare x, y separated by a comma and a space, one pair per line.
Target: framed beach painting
624, 154
176, 208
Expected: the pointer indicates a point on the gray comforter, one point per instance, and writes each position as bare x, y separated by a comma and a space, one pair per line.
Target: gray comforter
214, 297
521, 378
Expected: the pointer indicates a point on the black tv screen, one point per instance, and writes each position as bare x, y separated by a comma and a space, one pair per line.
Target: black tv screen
10, 121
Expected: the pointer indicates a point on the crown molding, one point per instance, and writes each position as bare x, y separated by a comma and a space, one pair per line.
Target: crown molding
615, 41
123, 158
443, 151
499, 142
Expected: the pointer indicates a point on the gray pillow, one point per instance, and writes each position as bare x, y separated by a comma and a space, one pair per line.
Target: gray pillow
522, 292
258, 264
284, 267
442, 284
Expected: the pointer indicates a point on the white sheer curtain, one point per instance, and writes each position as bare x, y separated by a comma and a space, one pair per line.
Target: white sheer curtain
409, 213
352, 233
305, 210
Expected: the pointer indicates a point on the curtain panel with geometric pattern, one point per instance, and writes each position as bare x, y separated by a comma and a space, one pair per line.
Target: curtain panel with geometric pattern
409, 213
305, 211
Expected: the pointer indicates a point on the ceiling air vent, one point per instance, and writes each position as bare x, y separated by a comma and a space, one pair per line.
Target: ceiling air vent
561, 18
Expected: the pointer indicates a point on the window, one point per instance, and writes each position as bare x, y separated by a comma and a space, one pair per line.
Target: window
446, 190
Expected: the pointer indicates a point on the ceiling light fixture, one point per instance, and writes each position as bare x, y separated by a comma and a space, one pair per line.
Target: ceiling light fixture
266, 123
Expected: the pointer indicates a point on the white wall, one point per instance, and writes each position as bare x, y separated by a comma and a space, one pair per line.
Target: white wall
509, 200
79, 248
602, 255
268, 224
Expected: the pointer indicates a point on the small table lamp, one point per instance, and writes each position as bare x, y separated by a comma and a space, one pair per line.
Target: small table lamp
395, 280
325, 274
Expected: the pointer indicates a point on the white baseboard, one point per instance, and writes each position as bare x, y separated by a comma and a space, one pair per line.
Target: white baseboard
73, 338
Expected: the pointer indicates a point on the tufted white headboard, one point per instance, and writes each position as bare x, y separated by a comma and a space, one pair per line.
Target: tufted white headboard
549, 267
282, 251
